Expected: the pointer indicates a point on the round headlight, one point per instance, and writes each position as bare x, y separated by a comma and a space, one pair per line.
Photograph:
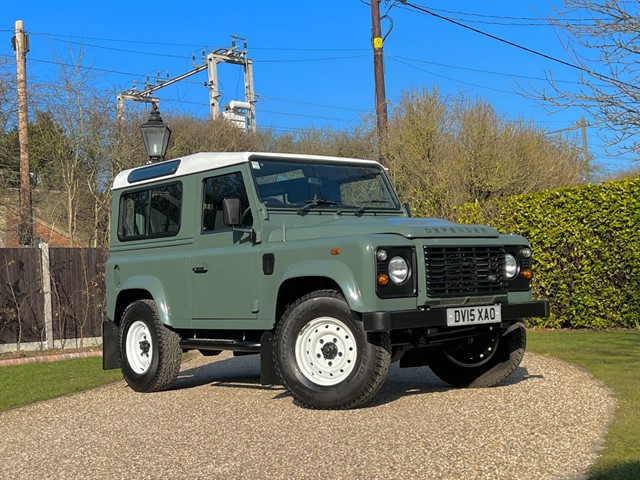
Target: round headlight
511, 266
525, 252
398, 270
382, 255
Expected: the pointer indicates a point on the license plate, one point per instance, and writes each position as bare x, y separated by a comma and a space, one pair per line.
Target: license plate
457, 317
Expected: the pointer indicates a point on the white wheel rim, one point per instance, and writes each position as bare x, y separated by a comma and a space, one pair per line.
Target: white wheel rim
326, 351
139, 347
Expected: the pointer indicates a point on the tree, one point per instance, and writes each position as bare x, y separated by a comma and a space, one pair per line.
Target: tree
190, 135
604, 44
443, 152
86, 116
7, 93
9, 147
356, 143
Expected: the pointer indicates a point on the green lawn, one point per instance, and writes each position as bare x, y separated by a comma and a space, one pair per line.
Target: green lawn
614, 358
24, 384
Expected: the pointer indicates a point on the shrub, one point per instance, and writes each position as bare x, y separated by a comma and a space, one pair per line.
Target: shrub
586, 244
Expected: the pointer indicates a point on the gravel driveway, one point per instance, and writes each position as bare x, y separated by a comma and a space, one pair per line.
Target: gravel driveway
220, 423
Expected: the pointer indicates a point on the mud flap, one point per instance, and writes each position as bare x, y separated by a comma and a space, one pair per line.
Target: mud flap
110, 345
268, 375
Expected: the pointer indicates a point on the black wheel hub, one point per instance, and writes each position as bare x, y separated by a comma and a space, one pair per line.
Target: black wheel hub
475, 352
330, 351
145, 346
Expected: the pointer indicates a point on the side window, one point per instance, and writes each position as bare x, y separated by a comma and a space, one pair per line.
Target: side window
154, 212
134, 214
215, 190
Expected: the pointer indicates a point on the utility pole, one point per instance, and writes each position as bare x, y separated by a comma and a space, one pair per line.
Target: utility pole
378, 70
234, 55
585, 147
582, 125
25, 224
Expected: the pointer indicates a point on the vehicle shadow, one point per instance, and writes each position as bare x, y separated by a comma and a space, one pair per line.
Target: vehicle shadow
237, 372
403, 382
244, 372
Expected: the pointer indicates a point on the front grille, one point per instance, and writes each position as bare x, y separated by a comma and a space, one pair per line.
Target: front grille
465, 271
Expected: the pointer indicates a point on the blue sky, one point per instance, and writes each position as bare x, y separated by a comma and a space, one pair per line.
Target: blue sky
312, 58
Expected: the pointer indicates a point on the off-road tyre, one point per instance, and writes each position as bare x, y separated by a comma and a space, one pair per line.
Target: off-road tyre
485, 363
323, 355
149, 351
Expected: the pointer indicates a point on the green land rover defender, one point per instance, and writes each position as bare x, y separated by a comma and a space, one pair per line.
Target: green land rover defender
313, 263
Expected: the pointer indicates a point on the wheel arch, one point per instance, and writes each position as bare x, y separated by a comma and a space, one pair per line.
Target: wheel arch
302, 279
142, 288
296, 287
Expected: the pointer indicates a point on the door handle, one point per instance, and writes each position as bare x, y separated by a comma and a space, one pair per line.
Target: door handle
200, 269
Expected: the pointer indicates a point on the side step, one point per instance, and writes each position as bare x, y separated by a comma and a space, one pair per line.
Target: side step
268, 375
213, 344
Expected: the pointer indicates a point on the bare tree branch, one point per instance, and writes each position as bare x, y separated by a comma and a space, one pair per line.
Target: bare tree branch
605, 47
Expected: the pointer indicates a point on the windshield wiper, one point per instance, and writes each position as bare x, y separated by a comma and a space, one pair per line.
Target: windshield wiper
313, 203
362, 209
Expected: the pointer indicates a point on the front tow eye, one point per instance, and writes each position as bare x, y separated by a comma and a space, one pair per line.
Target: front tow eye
145, 346
330, 351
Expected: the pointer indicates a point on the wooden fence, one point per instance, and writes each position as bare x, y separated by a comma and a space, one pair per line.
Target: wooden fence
50, 296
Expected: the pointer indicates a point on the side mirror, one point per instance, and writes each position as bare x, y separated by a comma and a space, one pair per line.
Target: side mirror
407, 209
231, 212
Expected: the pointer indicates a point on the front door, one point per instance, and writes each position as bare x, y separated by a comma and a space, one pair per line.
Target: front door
223, 261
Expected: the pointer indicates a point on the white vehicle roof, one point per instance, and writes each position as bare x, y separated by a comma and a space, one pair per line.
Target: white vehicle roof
202, 162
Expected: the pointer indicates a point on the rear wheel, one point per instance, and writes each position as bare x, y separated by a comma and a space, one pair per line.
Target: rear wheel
483, 361
323, 355
150, 352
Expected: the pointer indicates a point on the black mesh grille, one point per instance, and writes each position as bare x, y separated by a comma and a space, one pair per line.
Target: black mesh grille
465, 271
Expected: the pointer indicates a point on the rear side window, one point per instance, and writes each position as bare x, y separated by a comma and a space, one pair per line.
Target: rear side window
150, 213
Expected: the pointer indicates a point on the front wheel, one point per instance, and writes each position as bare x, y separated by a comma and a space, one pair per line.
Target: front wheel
323, 355
150, 352
483, 361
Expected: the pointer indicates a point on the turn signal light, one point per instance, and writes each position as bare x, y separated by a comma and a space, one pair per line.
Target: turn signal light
383, 279
527, 274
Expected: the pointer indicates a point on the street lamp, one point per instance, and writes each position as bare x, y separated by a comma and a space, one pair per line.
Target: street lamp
155, 135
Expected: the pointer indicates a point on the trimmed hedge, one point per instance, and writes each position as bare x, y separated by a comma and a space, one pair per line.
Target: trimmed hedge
586, 250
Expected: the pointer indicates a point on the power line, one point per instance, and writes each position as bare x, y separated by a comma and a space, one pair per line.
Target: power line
165, 44
361, 110
541, 21
193, 45
138, 52
62, 64
193, 83
396, 59
303, 60
113, 48
293, 60
278, 128
308, 116
504, 74
516, 45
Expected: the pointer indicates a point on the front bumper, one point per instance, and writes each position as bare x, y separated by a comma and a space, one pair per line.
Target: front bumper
437, 317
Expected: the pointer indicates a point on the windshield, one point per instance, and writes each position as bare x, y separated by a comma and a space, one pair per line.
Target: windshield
306, 185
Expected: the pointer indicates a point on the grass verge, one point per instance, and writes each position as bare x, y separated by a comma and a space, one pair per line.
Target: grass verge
614, 358
24, 384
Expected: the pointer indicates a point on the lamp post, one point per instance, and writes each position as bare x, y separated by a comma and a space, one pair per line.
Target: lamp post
155, 135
